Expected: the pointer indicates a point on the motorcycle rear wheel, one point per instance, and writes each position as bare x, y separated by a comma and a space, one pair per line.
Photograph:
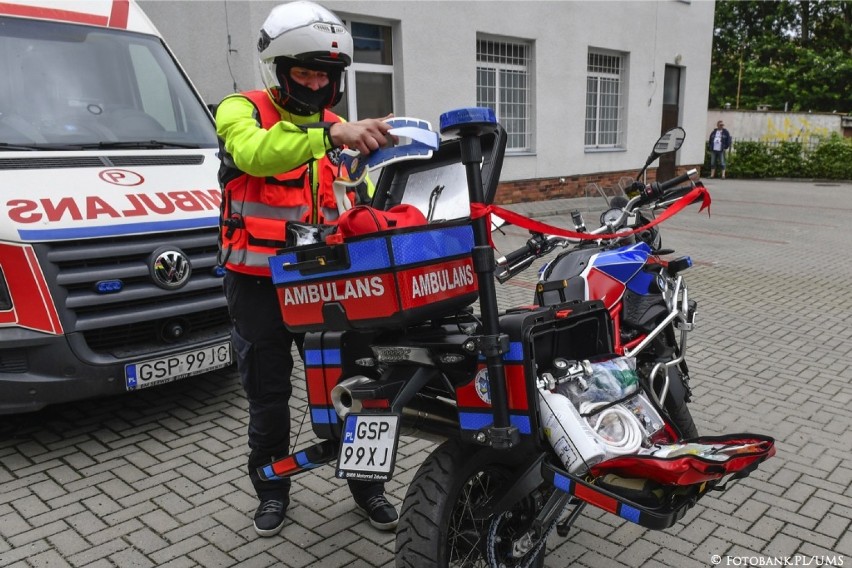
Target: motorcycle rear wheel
437, 527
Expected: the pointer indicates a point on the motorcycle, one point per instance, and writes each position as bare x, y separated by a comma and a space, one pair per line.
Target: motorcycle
393, 347
646, 296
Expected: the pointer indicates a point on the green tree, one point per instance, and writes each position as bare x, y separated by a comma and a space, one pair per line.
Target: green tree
787, 53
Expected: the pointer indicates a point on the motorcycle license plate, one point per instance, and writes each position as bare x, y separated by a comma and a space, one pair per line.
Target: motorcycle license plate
368, 448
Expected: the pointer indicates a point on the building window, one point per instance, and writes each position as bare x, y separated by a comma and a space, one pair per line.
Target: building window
605, 99
369, 80
504, 84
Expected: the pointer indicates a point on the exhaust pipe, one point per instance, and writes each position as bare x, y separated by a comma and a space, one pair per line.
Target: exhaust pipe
341, 395
430, 415
423, 414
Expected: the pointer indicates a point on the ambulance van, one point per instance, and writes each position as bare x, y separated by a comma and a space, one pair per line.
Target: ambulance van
109, 208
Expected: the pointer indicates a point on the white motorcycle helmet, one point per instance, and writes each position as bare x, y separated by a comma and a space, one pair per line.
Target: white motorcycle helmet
303, 34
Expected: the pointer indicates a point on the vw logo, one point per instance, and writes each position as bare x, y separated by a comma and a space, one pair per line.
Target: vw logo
170, 268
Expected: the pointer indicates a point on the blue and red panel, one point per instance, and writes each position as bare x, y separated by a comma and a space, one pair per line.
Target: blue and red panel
322, 371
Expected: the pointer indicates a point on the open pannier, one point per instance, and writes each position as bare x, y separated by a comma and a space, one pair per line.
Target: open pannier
656, 491
653, 483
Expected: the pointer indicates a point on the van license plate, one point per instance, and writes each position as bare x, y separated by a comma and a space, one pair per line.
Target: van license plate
166, 369
368, 448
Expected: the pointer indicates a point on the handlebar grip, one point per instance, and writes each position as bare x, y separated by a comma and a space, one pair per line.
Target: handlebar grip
531, 247
514, 256
655, 190
678, 180
678, 192
518, 260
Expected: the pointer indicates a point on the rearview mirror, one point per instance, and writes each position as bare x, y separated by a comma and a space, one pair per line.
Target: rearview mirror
670, 142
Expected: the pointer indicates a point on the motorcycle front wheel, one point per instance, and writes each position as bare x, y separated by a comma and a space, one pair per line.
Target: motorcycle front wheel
676, 405
440, 523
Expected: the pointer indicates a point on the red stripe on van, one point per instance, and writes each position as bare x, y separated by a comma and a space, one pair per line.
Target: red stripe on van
55, 14
118, 16
43, 290
32, 304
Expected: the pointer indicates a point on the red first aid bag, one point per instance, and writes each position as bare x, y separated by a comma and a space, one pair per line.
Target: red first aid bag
702, 459
363, 219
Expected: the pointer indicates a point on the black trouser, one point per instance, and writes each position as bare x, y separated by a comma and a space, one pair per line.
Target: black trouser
262, 350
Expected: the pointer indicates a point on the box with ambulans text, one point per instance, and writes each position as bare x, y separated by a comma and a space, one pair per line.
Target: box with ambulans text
383, 280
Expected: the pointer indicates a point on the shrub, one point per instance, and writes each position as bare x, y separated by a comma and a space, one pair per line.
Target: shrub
830, 158
750, 160
787, 159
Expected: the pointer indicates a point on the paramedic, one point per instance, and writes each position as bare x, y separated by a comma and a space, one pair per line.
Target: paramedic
279, 147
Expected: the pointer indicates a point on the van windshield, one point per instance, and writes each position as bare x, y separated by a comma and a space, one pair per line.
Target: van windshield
67, 86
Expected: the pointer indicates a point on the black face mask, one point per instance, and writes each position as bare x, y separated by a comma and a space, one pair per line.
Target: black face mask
301, 100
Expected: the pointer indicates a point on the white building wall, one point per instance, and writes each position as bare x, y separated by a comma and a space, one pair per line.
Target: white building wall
772, 126
435, 62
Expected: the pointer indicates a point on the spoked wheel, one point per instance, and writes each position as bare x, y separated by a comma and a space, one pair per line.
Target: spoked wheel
443, 521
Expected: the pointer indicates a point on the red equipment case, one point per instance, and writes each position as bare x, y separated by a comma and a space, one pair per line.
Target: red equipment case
386, 279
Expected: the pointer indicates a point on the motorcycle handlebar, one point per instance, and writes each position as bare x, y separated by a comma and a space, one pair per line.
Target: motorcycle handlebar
679, 179
518, 260
676, 193
656, 190
540, 244
532, 246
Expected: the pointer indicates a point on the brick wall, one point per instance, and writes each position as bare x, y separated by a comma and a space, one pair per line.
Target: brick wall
519, 191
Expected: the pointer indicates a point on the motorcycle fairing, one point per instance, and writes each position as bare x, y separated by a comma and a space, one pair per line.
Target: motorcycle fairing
610, 272
597, 274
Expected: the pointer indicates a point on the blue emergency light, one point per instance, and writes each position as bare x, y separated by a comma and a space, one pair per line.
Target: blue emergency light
109, 286
453, 121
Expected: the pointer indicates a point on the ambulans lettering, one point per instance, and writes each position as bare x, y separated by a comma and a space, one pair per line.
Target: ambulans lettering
440, 281
93, 207
336, 291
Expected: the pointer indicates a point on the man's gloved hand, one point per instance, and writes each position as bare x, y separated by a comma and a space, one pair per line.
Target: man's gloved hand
365, 136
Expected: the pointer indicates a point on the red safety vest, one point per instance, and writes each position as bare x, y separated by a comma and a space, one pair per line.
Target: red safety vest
255, 210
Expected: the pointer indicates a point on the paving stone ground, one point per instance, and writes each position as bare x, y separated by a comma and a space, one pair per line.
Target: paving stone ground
157, 478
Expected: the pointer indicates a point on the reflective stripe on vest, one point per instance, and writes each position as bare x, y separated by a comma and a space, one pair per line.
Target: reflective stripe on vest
261, 207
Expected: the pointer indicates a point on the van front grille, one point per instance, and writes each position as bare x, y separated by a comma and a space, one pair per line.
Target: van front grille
140, 315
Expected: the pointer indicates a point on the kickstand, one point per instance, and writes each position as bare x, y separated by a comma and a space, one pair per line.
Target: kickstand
565, 525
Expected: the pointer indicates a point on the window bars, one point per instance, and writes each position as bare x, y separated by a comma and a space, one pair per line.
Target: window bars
604, 100
503, 84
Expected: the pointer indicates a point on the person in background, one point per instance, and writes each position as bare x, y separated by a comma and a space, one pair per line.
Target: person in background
719, 142
279, 149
